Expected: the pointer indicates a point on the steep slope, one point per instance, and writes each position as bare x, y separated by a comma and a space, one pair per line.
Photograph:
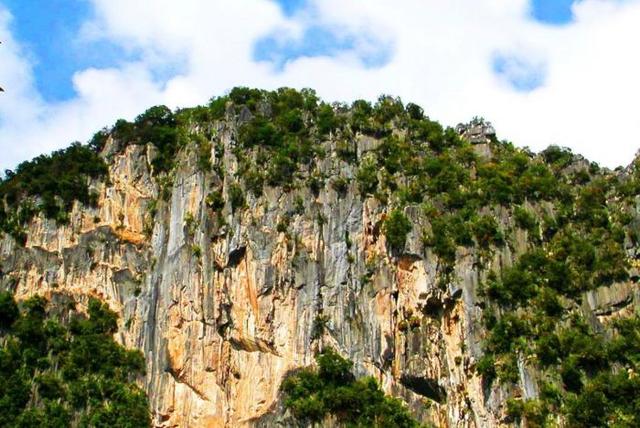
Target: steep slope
479, 282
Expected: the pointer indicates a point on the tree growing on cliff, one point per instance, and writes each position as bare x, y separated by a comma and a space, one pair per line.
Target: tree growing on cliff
8, 310
396, 228
331, 389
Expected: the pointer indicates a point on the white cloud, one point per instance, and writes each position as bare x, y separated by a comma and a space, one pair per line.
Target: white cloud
442, 59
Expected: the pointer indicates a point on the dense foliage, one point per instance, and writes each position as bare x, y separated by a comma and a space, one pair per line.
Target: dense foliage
396, 228
53, 373
48, 184
331, 389
534, 305
158, 126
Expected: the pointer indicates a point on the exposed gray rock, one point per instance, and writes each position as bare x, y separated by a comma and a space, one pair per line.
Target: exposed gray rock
477, 131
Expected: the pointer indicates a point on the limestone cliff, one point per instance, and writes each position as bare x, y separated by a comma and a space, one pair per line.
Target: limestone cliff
225, 300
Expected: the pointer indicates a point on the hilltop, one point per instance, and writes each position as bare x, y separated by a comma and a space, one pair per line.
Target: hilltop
241, 242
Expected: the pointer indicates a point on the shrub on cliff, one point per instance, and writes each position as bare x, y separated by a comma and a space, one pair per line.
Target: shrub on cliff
442, 241
8, 310
313, 394
246, 96
361, 112
396, 228
487, 231
367, 177
260, 132
236, 196
525, 219
157, 126
327, 120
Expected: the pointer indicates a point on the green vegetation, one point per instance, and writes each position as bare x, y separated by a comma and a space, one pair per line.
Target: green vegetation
280, 132
396, 228
328, 121
487, 232
313, 394
53, 374
298, 205
49, 184
525, 219
158, 126
236, 196
533, 304
531, 410
340, 185
197, 251
204, 153
283, 224
319, 326
215, 200
367, 177
598, 385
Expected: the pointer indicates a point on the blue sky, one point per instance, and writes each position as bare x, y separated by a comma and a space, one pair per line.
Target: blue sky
317, 41
552, 12
518, 63
290, 7
49, 33
520, 72
547, 11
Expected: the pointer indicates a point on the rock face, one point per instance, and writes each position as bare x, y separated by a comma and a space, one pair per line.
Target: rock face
477, 132
224, 303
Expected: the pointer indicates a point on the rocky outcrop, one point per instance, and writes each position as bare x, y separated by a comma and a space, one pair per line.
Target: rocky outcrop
223, 303
477, 131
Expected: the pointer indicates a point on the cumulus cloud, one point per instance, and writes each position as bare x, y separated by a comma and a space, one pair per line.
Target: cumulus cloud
573, 85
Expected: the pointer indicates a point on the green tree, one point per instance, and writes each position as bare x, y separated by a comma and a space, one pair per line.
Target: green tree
8, 309
53, 373
396, 227
332, 389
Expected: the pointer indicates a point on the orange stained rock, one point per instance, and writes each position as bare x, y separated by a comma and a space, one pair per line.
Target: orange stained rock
130, 236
